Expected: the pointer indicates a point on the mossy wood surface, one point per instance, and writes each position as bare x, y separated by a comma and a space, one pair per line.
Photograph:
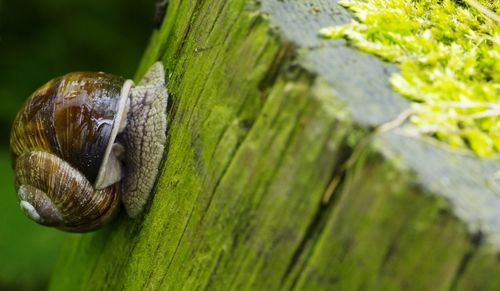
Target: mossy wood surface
274, 177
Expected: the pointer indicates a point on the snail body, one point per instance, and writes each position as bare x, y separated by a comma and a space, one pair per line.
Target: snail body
84, 142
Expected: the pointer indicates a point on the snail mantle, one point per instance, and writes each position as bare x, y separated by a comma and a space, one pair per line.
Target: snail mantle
83, 142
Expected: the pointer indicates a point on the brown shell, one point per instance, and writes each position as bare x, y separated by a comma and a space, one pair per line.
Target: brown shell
65, 198
70, 117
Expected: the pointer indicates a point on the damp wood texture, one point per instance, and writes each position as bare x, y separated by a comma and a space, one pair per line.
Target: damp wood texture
288, 166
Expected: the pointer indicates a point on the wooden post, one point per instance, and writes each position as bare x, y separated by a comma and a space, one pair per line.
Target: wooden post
275, 177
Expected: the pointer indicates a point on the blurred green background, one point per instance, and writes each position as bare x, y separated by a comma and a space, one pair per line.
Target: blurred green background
40, 40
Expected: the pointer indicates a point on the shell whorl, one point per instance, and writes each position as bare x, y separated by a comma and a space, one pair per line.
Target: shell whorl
58, 142
68, 144
71, 117
54, 193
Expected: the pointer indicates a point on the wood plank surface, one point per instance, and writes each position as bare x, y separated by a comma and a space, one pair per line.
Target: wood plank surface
275, 177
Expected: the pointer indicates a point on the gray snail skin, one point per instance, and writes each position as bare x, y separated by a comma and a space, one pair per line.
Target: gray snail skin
84, 142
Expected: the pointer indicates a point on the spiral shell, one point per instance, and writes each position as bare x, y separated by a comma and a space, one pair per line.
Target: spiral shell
60, 142
68, 144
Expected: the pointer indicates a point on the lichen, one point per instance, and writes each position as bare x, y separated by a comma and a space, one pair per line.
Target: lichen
449, 55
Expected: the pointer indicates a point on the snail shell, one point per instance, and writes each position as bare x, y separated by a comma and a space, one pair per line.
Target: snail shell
68, 144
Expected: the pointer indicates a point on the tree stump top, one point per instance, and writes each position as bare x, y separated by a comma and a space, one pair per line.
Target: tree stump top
360, 80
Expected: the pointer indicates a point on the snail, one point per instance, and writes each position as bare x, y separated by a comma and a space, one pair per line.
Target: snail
84, 142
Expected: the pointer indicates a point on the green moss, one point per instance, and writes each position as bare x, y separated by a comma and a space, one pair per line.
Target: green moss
449, 54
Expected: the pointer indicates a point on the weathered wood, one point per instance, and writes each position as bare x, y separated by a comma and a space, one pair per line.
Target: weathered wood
273, 176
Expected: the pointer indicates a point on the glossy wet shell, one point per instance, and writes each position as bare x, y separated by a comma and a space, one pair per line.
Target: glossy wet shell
64, 198
70, 118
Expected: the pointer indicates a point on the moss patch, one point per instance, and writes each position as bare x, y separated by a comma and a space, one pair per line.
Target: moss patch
449, 54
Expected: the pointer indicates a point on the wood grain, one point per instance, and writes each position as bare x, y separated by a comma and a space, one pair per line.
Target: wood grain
273, 178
